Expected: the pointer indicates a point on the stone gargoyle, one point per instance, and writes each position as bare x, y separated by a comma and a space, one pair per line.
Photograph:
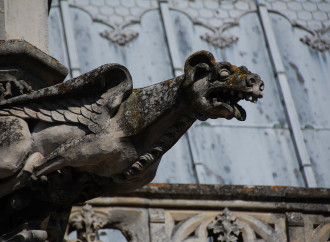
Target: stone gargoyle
96, 135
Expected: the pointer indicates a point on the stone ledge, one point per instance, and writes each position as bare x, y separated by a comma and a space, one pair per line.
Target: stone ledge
215, 192
192, 195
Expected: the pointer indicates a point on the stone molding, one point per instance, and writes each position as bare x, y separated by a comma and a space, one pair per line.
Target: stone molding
194, 213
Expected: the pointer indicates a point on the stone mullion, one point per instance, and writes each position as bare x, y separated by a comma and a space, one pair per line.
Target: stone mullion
294, 124
177, 66
157, 224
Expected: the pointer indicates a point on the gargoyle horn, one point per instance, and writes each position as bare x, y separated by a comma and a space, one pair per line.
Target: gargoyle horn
198, 66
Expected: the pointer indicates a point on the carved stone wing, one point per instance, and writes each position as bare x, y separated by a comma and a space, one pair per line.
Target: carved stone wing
90, 99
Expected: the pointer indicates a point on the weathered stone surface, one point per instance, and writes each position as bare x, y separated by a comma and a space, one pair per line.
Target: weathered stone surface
216, 192
94, 135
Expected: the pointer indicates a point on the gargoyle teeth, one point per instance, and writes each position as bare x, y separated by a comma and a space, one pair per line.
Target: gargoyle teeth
215, 102
159, 149
138, 166
147, 158
128, 173
249, 98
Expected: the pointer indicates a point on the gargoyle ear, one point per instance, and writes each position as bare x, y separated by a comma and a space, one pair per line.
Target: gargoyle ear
113, 75
118, 85
198, 65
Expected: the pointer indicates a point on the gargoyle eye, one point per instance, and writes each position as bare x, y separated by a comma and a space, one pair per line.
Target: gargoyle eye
224, 73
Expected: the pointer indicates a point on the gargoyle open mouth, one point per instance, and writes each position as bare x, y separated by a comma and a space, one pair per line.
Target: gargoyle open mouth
215, 88
224, 98
228, 99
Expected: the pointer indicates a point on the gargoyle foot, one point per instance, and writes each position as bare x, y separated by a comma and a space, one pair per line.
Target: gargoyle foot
32, 161
28, 169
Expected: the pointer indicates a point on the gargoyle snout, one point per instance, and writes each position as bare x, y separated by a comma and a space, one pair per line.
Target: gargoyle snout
256, 84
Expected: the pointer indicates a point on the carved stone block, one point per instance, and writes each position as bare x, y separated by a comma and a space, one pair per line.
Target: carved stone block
95, 135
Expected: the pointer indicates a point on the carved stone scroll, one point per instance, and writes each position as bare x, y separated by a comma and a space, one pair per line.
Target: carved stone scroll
219, 39
119, 36
319, 41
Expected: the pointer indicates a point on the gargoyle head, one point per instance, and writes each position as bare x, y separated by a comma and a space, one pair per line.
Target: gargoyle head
215, 88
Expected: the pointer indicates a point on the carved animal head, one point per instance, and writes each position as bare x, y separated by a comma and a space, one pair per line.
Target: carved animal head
215, 88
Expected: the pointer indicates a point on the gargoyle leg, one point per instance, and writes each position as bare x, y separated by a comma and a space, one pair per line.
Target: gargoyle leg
61, 156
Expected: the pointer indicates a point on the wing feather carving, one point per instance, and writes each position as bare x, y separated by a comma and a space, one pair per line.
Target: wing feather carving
82, 100
30, 112
96, 108
75, 110
43, 117
58, 117
94, 117
88, 104
83, 120
85, 112
44, 111
19, 112
99, 101
60, 107
72, 117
